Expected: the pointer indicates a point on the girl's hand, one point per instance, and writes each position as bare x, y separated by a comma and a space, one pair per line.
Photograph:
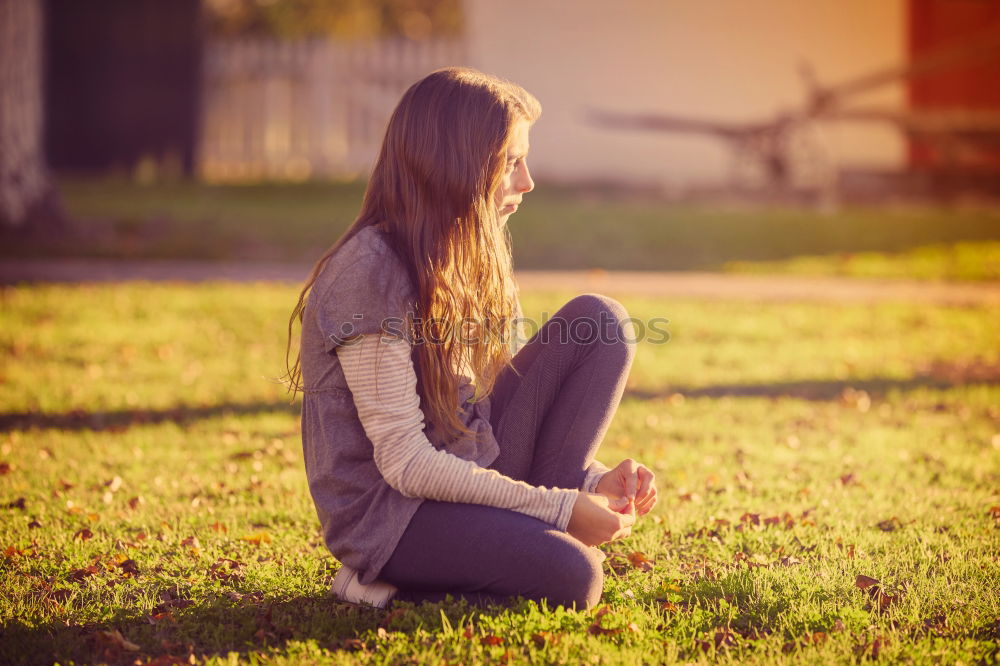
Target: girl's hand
597, 519
632, 481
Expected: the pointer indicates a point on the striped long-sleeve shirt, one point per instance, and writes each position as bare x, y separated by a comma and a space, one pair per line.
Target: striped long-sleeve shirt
380, 374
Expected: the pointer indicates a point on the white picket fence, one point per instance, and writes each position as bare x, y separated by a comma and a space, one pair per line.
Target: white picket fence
309, 109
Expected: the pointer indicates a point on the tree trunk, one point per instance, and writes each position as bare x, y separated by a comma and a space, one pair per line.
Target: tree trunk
26, 193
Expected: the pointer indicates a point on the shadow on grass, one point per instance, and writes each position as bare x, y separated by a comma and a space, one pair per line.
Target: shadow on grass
819, 390
218, 626
121, 420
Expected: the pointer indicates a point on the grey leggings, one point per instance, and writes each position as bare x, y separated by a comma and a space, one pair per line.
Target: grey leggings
549, 422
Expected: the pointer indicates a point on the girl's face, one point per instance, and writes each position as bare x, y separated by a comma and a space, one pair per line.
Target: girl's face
516, 179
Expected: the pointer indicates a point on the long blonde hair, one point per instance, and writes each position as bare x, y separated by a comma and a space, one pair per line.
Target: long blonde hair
432, 187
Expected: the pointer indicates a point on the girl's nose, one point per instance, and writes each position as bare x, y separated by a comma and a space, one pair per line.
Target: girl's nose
525, 183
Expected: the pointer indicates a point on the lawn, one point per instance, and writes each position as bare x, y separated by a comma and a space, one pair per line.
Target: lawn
154, 505
189, 220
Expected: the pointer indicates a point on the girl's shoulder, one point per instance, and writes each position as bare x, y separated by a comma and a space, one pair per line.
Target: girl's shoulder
366, 261
363, 288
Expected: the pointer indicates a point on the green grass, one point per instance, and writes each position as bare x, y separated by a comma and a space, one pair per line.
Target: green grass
556, 228
146, 419
958, 261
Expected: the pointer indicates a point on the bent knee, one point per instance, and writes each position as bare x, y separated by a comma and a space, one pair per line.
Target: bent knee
602, 319
592, 305
577, 579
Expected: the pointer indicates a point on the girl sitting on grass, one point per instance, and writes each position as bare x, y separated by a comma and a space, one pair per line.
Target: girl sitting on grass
442, 456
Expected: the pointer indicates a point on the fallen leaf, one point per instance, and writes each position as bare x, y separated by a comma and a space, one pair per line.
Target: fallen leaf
864, 582
16, 504
129, 567
491, 640
85, 572
597, 628
751, 519
4, 468
83, 535
34, 525
890, 524
542, 638
640, 561
225, 569
191, 541
162, 616
873, 588
115, 639
257, 538
849, 480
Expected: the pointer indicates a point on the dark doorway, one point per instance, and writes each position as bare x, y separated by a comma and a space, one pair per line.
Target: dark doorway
122, 83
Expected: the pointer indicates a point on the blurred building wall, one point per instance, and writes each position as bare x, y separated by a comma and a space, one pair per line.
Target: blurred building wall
734, 60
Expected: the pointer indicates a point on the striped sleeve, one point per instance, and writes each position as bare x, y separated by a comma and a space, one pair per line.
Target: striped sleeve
380, 375
595, 472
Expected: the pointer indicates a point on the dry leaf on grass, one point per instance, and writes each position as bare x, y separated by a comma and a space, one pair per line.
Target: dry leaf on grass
543, 638
79, 574
890, 524
598, 629
640, 561
114, 639
873, 588
257, 538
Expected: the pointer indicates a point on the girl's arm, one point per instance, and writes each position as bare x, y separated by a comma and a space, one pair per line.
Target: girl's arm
379, 372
